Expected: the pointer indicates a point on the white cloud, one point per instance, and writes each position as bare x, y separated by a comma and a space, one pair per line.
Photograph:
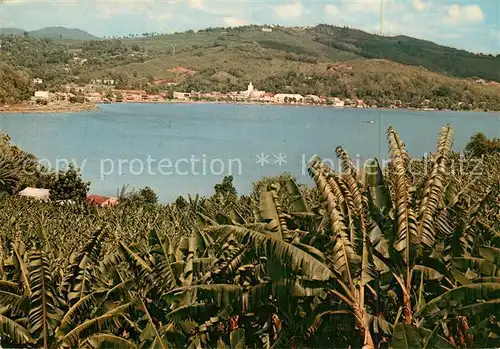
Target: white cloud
454, 11
362, 6
216, 7
474, 13
419, 5
469, 13
234, 22
291, 10
332, 10
457, 25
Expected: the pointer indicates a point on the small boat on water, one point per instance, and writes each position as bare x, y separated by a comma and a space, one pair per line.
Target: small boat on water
369, 121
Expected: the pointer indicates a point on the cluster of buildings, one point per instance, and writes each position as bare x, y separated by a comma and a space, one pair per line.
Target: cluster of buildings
253, 95
90, 94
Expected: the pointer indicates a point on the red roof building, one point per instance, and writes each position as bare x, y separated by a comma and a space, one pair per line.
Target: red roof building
102, 200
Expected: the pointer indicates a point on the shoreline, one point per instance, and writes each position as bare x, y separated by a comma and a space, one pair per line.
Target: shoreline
48, 109
75, 108
299, 105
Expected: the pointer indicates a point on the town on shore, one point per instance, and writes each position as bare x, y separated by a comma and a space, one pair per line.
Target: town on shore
75, 98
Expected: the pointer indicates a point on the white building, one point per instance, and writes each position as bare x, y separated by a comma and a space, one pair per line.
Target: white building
288, 98
37, 81
181, 95
42, 95
337, 102
251, 93
313, 98
266, 30
36, 193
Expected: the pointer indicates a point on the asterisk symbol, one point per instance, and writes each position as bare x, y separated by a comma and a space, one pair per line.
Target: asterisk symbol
262, 159
280, 159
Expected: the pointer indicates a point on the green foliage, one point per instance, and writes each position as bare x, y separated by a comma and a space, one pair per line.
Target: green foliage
18, 169
407, 50
227, 58
226, 189
479, 145
371, 258
15, 85
145, 195
66, 184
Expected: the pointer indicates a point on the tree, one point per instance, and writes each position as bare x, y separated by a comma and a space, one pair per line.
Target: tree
66, 185
145, 195
226, 189
480, 145
119, 97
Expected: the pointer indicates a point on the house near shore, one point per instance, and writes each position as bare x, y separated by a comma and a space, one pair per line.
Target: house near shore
41, 95
94, 97
360, 104
288, 98
37, 81
336, 102
102, 201
36, 193
132, 95
182, 95
268, 97
312, 98
250, 93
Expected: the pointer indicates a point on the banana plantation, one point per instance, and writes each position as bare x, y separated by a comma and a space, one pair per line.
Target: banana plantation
405, 256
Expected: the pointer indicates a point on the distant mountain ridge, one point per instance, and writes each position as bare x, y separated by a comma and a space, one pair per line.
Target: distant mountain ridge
11, 31
53, 33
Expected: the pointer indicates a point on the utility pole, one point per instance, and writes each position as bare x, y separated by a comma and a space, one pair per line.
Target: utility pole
379, 137
1, 25
379, 114
381, 16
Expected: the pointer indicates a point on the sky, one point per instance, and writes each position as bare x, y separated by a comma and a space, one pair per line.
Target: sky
471, 25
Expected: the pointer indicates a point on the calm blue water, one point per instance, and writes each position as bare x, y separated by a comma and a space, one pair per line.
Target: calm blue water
187, 148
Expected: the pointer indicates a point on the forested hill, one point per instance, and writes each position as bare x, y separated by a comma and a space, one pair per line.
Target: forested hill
322, 43
411, 51
323, 60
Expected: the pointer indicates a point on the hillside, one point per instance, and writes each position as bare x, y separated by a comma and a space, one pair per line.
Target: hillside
326, 43
322, 43
14, 85
294, 60
53, 33
12, 31
410, 51
62, 32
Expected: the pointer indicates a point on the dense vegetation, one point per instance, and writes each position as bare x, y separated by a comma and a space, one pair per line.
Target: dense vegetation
410, 51
15, 85
402, 257
380, 83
